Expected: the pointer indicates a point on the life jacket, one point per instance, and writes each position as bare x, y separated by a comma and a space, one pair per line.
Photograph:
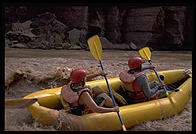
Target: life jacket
137, 95
72, 98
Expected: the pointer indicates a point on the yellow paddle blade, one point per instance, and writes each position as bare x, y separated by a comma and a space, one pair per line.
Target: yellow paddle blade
95, 47
19, 102
145, 53
124, 128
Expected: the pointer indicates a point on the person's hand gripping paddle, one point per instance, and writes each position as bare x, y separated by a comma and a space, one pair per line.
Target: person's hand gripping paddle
146, 54
95, 47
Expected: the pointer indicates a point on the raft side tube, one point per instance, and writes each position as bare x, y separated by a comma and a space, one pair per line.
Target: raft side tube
131, 114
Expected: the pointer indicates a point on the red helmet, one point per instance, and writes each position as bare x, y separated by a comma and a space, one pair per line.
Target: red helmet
77, 75
135, 62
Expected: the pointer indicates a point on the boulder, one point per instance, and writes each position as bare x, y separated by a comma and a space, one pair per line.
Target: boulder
74, 36
44, 32
42, 19
18, 45
59, 27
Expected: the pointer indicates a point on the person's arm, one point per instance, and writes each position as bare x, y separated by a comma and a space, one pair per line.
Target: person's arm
147, 66
144, 85
91, 76
88, 100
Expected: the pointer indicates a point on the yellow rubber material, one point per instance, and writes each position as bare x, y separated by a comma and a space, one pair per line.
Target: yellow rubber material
46, 111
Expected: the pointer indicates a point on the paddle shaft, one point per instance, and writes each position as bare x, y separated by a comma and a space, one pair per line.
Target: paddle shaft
164, 88
19, 102
96, 50
149, 60
110, 91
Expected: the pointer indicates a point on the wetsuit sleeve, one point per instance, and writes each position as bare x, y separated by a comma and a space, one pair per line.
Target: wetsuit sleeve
144, 85
145, 66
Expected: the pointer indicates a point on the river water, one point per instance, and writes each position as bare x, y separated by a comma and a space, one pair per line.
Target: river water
30, 70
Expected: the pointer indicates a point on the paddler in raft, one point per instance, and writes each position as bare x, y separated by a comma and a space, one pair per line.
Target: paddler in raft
82, 99
136, 86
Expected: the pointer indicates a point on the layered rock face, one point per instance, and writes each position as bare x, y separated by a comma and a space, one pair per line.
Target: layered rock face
139, 23
169, 28
160, 27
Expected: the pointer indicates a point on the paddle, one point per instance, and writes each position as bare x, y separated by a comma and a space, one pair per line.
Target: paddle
146, 54
22, 102
95, 47
19, 102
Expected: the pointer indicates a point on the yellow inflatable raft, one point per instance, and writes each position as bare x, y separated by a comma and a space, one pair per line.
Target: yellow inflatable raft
46, 109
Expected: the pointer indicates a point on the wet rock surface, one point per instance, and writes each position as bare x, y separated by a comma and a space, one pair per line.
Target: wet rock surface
30, 70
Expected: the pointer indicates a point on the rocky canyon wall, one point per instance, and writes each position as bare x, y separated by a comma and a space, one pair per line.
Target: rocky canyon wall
160, 27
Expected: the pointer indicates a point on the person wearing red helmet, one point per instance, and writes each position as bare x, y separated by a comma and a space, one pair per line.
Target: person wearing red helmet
83, 99
136, 87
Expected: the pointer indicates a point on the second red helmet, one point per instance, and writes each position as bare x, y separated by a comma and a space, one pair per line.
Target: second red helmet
77, 75
135, 62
